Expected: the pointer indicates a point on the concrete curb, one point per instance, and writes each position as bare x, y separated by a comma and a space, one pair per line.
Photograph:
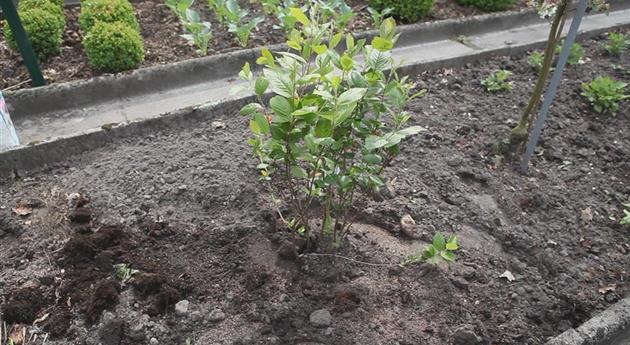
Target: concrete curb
610, 327
82, 93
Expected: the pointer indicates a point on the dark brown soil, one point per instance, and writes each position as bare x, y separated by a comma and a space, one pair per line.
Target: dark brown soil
191, 215
161, 31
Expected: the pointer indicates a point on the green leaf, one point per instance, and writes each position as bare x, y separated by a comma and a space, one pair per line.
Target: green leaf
246, 73
413, 130
298, 172
351, 96
280, 82
327, 224
305, 111
335, 40
281, 106
349, 41
250, 109
373, 142
320, 49
266, 58
448, 256
259, 124
382, 44
261, 86
452, 246
323, 128
372, 158
438, 241
346, 62
299, 15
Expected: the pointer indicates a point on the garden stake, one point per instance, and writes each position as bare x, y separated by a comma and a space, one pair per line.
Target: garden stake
553, 85
26, 49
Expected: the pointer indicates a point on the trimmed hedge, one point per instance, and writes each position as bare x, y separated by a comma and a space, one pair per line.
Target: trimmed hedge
408, 10
43, 28
29, 4
488, 5
113, 47
108, 11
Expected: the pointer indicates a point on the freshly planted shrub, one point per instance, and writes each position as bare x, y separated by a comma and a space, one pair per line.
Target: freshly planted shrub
113, 47
605, 94
440, 250
197, 31
498, 81
107, 11
488, 5
535, 60
335, 121
575, 54
617, 43
44, 30
626, 219
408, 10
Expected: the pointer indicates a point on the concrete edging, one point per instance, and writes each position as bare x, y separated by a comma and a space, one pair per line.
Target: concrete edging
610, 327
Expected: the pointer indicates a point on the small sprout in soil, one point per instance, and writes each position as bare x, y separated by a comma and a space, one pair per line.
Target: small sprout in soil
335, 121
124, 272
441, 250
575, 55
617, 43
535, 60
198, 32
378, 16
498, 81
626, 219
605, 94
271, 6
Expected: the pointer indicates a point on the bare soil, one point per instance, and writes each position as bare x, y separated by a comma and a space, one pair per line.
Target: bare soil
161, 31
185, 208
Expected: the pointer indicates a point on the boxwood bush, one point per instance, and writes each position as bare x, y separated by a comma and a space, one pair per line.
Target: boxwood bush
114, 47
488, 5
108, 11
43, 4
408, 10
44, 29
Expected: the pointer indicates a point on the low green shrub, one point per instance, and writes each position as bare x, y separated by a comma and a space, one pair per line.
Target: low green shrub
108, 11
408, 10
617, 43
42, 4
44, 29
605, 94
113, 47
487, 5
498, 81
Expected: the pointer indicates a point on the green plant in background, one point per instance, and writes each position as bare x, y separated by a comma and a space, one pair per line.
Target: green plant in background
605, 94
575, 54
407, 10
27, 4
498, 81
378, 16
286, 20
535, 60
243, 29
440, 250
336, 10
220, 10
271, 6
626, 219
335, 121
488, 5
44, 29
197, 31
107, 11
124, 272
113, 47
616, 44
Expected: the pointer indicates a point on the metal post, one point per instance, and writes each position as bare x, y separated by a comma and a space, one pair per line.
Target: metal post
550, 94
26, 49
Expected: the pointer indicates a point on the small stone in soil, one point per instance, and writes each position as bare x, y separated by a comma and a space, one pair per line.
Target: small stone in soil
320, 318
181, 307
153, 341
465, 335
216, 315
408, 226
288, 250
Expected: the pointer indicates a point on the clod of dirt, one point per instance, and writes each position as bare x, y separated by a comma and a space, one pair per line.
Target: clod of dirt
347, 299
58, 322
79, 249
104, 297
111, 331
164, 300
148, 283
81, 215
408, 226
22, 306
465, 335
109, 236
288, 250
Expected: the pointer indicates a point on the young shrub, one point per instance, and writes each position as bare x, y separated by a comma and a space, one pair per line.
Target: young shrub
56, 8
439, 251
378, 16
407, 10
535, 60
617, 43
113, 47
107, 11
626, 219
498, 81
575, 54
335, 121
487, 5
605, 94
197, 31
44, 30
